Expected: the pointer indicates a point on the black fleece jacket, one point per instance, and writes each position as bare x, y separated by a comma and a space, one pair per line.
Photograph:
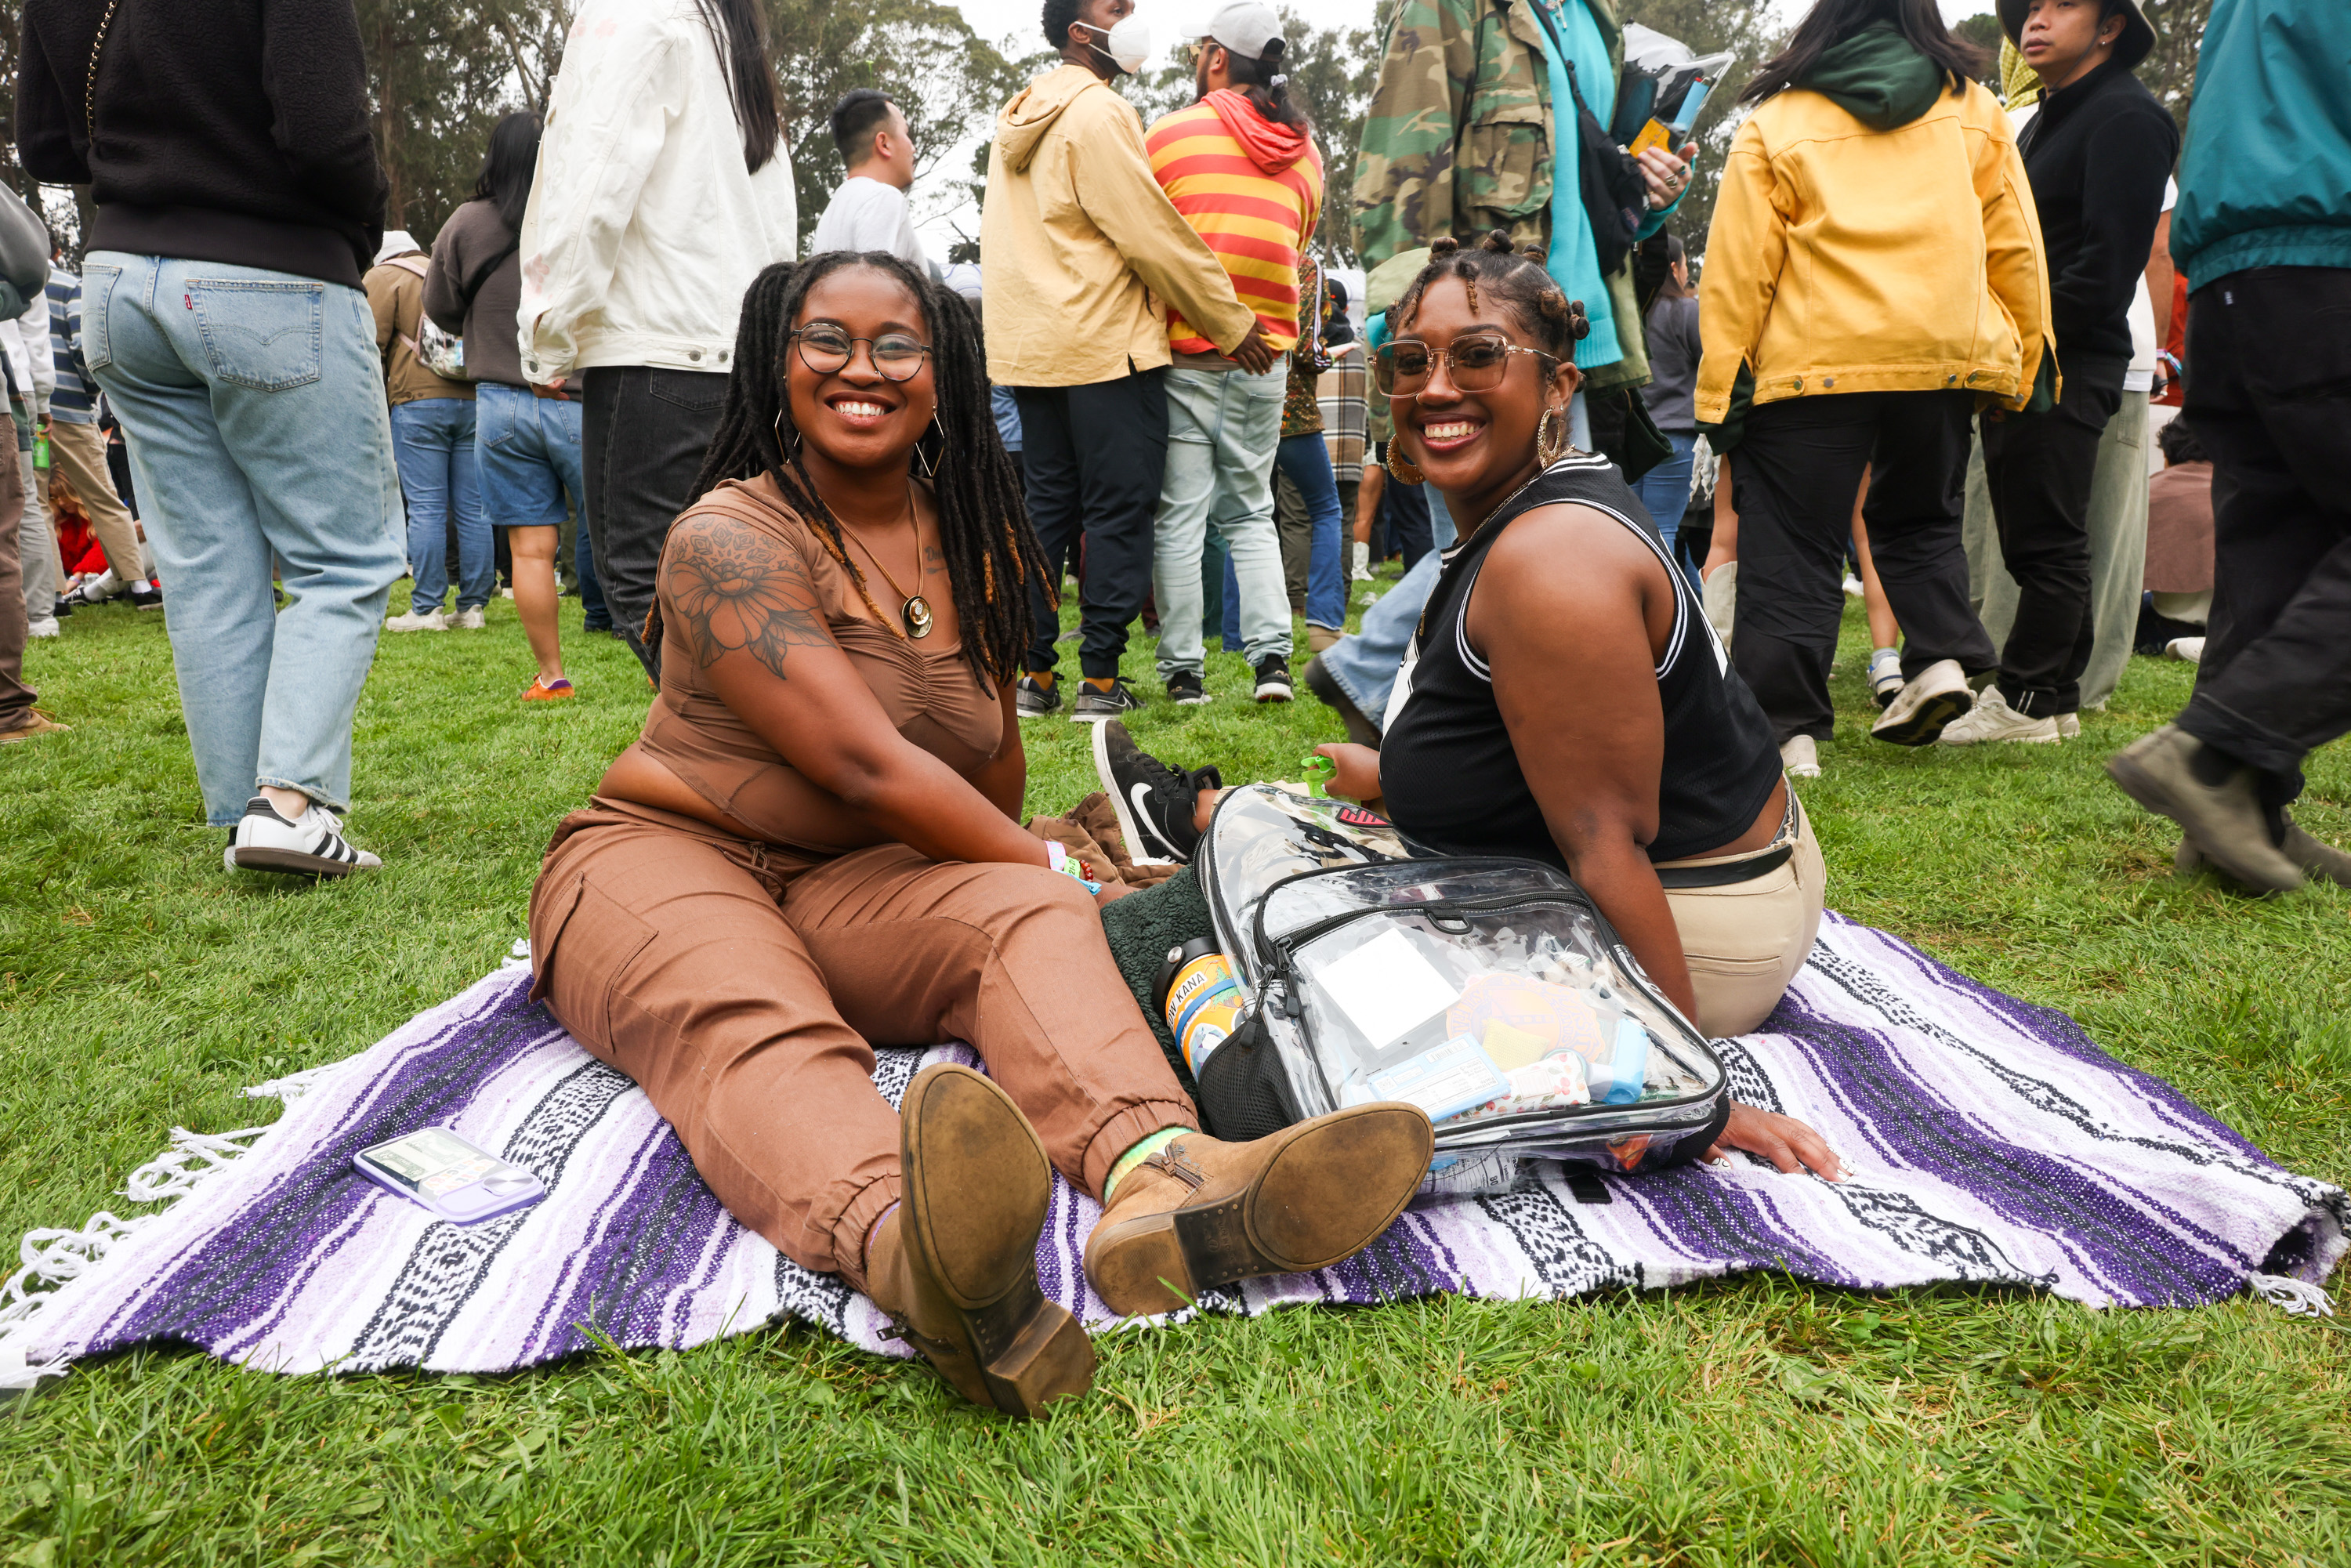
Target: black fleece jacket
2098, 154
228, 131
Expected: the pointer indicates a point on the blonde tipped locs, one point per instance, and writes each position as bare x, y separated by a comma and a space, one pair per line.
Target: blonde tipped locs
1513, 274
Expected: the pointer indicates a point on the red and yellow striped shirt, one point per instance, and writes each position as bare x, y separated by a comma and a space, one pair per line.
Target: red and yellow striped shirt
1253, 191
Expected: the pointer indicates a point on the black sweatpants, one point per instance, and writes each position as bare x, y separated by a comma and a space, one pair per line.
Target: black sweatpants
2270, 397
1092, 460
1793, 477
2038, 468
643, 434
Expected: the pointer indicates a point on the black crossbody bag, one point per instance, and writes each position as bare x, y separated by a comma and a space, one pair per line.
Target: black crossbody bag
1616, 199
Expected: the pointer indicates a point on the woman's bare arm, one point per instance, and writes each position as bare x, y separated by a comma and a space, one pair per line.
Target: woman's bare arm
1004, 778
1563, 612
1574, 654
745, 606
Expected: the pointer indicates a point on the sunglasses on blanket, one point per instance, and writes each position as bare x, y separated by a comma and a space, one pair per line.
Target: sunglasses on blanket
1476, 363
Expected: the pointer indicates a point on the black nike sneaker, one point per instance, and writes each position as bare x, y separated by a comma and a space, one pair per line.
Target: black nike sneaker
1155, 802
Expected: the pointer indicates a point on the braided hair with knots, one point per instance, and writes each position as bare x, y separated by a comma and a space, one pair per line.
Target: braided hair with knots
1516, 277
991, 550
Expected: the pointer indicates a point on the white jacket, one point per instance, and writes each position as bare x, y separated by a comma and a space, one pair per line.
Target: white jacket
644, 228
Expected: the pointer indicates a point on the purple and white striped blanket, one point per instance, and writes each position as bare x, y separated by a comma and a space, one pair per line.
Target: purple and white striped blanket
1990, 1140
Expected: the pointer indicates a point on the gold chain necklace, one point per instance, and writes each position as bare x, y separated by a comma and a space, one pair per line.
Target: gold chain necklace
917, 611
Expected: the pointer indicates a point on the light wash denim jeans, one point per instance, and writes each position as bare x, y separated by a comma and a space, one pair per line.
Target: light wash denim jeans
253, 405
1364, 665
1223, 427
433, 443
1307, 461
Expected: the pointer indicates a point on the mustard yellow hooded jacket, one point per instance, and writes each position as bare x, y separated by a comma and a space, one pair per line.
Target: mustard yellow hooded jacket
1081, 252
1894, 249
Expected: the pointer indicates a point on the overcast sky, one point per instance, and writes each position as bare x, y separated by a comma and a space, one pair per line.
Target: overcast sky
998, 20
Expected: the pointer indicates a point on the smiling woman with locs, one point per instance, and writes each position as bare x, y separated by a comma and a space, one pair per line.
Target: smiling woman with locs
1568, 702
814, 847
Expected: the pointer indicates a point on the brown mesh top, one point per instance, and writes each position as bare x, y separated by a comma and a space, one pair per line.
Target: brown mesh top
929, 693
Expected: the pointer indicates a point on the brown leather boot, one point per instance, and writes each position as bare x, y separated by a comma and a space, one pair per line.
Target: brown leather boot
1202, 1212
955, 1267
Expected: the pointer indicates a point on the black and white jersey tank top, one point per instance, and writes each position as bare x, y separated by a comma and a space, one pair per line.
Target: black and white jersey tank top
1449, 774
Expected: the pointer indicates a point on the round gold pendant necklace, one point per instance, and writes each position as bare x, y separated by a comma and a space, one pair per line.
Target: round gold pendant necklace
917, 611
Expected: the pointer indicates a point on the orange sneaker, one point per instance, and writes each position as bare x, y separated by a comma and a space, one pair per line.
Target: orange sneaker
540, 691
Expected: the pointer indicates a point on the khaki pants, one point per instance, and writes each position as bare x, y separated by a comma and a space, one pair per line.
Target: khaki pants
744, 986
1745, 941
78, 452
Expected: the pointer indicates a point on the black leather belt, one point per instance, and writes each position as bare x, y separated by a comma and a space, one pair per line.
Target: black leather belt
1727, 874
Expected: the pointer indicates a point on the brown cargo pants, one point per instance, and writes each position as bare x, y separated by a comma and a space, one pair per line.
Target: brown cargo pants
744, 986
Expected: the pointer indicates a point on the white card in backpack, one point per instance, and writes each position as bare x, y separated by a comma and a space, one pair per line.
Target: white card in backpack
1385, 987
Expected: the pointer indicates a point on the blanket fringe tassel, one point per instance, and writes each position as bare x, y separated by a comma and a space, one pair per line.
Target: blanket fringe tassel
51, 1258
2294, 1298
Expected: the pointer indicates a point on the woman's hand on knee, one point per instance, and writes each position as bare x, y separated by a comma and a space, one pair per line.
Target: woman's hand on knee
1787, 1143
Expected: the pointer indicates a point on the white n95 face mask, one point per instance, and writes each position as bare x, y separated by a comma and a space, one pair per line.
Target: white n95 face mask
1127, 42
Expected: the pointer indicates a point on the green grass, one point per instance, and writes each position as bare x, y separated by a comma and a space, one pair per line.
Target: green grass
1761, 1420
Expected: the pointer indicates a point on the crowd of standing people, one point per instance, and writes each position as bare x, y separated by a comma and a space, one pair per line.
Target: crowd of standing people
831, 503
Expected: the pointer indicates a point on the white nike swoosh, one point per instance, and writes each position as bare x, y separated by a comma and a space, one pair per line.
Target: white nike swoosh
1141, 795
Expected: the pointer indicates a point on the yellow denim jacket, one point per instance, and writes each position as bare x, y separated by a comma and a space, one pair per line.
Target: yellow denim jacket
1845, 260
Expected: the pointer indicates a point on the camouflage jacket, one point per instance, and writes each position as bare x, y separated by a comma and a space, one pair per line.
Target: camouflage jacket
1457, 140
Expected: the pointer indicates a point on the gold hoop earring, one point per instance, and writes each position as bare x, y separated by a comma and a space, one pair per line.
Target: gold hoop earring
792, 451
1550, 438
1402, 467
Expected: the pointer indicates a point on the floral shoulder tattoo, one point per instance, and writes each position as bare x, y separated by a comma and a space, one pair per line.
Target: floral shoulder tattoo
733, 590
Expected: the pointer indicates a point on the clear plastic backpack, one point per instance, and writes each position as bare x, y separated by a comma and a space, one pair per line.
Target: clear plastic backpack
1490, 992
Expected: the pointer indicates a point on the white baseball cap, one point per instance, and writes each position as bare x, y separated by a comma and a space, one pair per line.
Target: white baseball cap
1244, 26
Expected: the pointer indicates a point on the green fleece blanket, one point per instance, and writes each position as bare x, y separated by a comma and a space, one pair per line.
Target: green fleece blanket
1142, 927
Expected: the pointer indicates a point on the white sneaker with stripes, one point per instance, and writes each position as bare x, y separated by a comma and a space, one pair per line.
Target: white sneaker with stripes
312, 844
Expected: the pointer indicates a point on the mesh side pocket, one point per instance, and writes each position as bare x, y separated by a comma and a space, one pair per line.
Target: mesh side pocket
1243, 1091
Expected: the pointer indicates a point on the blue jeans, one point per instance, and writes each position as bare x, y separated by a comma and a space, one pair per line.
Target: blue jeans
1664, 491
529, 448
433, 443
1307, 460
253, 405
1364, 665
1223, 427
